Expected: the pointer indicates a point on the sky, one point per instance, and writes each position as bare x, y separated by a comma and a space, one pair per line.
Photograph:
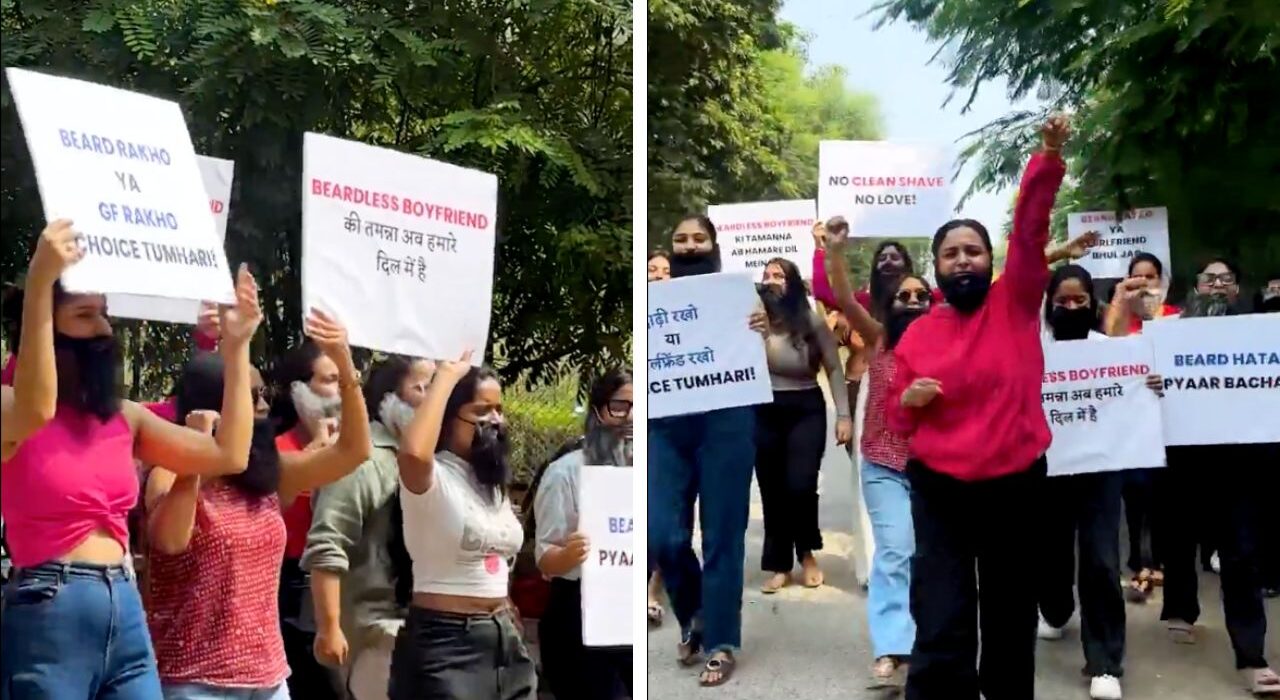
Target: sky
893, 64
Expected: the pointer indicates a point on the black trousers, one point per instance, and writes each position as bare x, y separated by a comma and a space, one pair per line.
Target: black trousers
308, 678
450, 656
1087, 507
968, 578
573, 671
791, 435
1270, 536
1140, 514
1222, 486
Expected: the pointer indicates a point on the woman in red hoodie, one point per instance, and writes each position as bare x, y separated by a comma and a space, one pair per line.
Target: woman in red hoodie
967, 395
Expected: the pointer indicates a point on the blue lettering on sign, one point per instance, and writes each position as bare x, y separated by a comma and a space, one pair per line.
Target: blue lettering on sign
619, 526
103, 145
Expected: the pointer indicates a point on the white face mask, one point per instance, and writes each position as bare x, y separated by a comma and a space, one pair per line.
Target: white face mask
313, 408
395, 414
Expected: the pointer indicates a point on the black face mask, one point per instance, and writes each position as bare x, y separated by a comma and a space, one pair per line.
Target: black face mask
1072, 324
262, 477
896, 325
89, 374
1271, 305
490, 446
689, 264
966, 291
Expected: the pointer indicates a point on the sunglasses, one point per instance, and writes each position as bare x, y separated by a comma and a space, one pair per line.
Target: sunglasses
618, 408
1208, 278
907, 296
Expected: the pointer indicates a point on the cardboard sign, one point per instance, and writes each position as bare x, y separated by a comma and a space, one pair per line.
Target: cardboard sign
1137, 231
885, 189
702, 354
604, 514
121, 167
398, 247
217, 175
1102, 414
752, 234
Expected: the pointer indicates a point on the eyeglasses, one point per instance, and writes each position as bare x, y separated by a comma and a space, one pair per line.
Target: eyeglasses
906, 296
618, 408
1208, 278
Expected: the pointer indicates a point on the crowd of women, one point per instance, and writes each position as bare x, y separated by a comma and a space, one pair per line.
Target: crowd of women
953, 469
324, 536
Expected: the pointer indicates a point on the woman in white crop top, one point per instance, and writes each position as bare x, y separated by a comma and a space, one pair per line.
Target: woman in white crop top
460, 639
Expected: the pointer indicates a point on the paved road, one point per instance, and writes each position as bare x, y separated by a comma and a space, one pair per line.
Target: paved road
812, 644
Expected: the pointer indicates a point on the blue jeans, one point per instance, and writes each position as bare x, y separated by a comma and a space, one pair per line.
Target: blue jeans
75, 631
708, 457
196, 691
888, 497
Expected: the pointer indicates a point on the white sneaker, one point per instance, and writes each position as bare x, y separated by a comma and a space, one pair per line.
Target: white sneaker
1105, 688
1048, 632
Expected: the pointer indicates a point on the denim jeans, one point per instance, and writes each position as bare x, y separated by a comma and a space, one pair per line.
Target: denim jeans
708, 457
197, 691
75, 631
888, 497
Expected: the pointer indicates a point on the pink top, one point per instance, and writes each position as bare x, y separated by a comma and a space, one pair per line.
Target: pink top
213, 610
72, 477
880, 444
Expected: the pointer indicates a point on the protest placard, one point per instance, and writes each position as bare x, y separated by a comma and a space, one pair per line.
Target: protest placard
1102, 414
752, 234
885, 189
604, 515
216, 174
1135, 231
702, 354
1221, 378
407, 237
121, 167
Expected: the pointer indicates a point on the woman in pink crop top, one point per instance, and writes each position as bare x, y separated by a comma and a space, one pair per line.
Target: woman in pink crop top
216, 544
73, 624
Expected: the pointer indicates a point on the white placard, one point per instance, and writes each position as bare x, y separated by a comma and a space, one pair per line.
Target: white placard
398, 247
752, 234
217, 175
604, 514
885, 189
1102, 414
702, 354
121, 166
1221, 378
1138, 231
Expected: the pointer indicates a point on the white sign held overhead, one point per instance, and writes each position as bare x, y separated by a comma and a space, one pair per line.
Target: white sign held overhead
702, 354
1221, 378
217, 175
410, 237
1136, 231
752, 234
1102, 414
885, 189
121, 166
605, 516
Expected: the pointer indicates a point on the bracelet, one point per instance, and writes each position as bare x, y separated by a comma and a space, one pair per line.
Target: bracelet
354, 382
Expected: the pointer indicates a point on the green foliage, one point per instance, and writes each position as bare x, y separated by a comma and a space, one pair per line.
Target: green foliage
1172, 103
732, 115
538, 92
541, 420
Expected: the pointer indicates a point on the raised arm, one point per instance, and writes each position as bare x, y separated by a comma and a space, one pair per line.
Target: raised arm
32, 401
861, 320
1026, 270
187, 452
1120, 310
421, 437
171, 499
309, 469
821, 287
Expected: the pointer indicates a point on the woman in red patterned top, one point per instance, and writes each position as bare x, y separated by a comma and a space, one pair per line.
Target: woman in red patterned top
217, 545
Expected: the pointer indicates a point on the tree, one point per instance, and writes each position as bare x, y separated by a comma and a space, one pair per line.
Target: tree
538, 92
1167, 96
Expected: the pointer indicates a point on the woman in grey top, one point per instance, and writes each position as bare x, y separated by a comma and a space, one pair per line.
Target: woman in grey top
570, 669
791, 432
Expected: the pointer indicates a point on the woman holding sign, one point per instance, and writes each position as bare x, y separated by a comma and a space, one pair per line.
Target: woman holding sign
73, 624
570, 669
461, 638
967, 396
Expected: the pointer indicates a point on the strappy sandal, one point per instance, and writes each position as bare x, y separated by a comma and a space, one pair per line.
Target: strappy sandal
689, 650
721, 663
655, 613
1139, 588
1262, 682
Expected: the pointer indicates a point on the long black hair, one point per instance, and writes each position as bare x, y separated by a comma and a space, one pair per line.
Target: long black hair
884, 308
385, 378
883, 288
791, 312
1072, 272
600, 440
298, 365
